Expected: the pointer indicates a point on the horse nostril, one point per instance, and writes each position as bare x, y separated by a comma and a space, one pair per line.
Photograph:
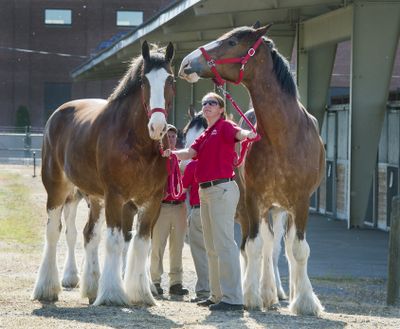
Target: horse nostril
165, 129
152, 127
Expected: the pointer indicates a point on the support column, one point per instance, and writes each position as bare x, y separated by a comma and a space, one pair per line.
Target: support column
375, 36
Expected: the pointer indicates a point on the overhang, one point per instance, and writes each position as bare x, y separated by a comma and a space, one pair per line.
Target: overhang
191, 23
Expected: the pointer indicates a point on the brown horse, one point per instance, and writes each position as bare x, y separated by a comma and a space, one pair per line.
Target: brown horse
109, 150
281, 170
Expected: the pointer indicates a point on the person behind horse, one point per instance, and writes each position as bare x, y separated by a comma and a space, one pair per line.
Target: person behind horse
219, 195
171, 222
196, 239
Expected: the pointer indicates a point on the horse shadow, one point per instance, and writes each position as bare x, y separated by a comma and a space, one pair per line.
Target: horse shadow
111, 316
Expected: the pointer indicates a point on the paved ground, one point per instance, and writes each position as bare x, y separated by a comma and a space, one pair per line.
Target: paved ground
339, 252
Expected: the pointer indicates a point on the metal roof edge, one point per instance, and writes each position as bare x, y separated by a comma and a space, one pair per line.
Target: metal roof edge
152, 24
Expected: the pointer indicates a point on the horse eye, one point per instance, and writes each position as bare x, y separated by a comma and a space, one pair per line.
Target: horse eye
232, 43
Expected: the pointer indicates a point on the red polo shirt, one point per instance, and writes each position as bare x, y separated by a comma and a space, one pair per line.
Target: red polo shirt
215, 149
189, 180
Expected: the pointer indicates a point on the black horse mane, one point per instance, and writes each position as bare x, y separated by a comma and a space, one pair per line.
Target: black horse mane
198, 121
282, 70
133, 76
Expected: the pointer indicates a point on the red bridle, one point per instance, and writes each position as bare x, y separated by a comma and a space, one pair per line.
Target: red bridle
212, 63
220, 82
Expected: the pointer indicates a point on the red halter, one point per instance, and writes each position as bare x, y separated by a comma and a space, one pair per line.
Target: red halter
212, 63
220, 82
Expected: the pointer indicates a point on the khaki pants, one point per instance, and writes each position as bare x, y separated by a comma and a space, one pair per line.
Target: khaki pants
172, 223
199, 254
217, 207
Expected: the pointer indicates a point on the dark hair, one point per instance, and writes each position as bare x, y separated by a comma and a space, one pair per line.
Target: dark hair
219, 99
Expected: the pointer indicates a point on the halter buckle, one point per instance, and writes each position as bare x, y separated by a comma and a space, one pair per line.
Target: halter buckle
251, 52
211, 63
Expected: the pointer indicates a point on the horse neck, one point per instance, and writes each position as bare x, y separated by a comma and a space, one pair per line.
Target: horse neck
274, 109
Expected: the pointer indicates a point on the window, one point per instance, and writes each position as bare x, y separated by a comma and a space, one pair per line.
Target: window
129, 18
57, 16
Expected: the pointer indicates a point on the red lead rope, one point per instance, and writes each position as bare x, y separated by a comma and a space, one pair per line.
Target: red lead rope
174, 172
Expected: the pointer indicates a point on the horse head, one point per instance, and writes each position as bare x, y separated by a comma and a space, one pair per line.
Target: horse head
228, 55
158, 88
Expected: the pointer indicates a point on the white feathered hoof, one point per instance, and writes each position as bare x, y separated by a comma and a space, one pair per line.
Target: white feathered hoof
269, 297
139, 293
252, 301
70, 281
115, 297
306, 304
46, 292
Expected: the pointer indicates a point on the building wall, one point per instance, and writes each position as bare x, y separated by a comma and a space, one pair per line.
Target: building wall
24, 75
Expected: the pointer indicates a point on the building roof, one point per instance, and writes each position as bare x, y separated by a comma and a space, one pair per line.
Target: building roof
191, 23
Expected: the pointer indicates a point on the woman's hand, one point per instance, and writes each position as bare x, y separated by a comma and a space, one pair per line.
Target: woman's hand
167, 153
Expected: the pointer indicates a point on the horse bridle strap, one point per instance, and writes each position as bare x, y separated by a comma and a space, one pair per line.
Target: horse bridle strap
157, 109
212, 63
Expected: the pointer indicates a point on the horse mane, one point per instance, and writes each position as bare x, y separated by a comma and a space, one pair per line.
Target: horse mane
133, 76
198, 121
282, 70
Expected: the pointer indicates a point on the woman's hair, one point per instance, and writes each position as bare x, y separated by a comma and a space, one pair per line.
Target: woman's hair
219, 99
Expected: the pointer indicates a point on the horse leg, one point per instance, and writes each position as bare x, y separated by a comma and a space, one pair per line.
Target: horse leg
304, 301
70, 276
278, 223
92, 236
47, 286
110, 290
137, 275
128, 213
289, 238
253, 250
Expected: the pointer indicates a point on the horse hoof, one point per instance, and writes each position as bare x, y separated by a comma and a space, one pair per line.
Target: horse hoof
70, 283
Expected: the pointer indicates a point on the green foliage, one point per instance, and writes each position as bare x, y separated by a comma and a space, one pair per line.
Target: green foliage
22, 117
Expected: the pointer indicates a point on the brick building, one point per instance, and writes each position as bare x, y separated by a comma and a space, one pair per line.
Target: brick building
42, 41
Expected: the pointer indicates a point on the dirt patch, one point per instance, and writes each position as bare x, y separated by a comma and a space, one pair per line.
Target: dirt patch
348, 303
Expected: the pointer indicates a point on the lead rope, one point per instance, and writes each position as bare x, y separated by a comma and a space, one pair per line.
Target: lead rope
245, 145
173, 173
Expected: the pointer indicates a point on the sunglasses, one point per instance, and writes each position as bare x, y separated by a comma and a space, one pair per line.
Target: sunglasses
210, 102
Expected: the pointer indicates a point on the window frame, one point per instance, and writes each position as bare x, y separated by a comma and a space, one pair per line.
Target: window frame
57, 24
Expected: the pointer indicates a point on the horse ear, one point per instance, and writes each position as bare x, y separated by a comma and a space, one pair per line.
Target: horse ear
145, 50
263, 30
169, 53
256, 25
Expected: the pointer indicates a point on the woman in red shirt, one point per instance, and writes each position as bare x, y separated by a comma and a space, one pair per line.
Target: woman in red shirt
219, 195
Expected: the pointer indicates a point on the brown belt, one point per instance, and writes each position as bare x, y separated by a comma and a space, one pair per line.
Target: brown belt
172, 202
215, 182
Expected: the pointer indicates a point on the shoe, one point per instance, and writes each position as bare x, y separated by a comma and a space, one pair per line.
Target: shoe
160, 290
198, 299
177, 289
205, 303
222, 306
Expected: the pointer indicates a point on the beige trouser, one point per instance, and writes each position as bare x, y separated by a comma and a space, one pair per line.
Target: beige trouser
199, 254
218, 207
172, 223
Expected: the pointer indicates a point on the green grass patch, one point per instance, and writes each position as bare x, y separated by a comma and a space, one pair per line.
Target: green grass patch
20, 218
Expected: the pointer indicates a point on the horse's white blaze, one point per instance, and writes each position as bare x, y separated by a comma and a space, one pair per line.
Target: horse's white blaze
157, 122
192, 59
251, 282
304, 301
70, 276
268, 288
91, 268
47, 286
191, 136
110, 290
137, 274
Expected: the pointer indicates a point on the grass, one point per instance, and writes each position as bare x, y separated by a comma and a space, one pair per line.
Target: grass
20, 218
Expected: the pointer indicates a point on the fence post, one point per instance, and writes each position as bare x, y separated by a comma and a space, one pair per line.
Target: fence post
393, 284
34, 164
27, 141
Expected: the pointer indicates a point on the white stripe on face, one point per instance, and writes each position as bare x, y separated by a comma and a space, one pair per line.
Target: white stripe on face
190, 61
157, 123
157, 82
